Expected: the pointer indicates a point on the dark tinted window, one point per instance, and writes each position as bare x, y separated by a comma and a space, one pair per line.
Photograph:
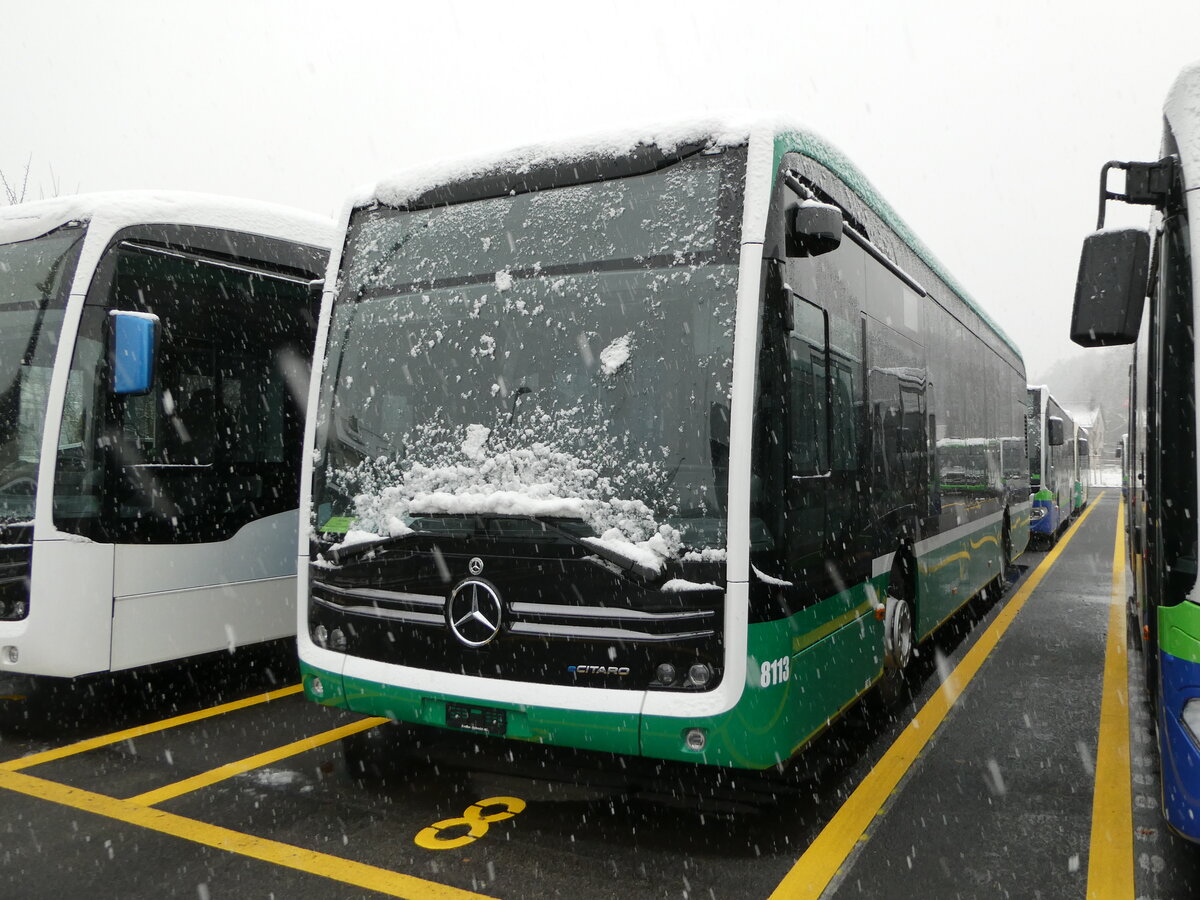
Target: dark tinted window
216, 443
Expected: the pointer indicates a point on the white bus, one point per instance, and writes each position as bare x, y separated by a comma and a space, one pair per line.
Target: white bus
151, 349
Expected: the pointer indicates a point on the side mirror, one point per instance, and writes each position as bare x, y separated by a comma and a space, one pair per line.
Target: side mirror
814, 228
132, 352
1054, 425
1111, 289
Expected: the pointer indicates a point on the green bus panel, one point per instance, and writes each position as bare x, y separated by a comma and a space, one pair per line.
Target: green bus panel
830, 663
952, 574
1179, 630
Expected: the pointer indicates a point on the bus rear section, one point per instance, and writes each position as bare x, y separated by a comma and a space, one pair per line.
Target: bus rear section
647, 449
154, 347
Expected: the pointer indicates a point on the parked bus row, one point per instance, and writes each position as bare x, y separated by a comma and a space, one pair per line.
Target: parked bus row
1059, 465
672, 447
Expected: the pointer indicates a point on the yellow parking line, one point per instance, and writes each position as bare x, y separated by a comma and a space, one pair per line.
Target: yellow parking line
1110, 853
204, 779
820, 863
36, 759
346, 871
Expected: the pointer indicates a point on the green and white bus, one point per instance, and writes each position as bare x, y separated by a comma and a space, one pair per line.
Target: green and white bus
1053, 465
633, 446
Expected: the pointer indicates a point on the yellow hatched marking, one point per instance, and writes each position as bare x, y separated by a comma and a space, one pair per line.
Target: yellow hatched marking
37, 759
1110, 852
229, 770
346, 871
820, 863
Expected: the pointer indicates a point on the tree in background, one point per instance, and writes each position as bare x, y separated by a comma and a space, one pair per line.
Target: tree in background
14, 193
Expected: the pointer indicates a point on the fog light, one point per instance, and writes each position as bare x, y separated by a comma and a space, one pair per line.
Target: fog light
1191, 717
320, 636
11, 655
695, 739
337, 640
317, 688
665, 673
699, 674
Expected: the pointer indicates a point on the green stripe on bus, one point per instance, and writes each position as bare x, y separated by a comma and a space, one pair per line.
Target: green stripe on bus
1179, 631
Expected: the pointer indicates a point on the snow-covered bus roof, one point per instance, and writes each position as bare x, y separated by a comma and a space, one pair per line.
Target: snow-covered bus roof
1050, 398
1182, 111
112, 210
781, 134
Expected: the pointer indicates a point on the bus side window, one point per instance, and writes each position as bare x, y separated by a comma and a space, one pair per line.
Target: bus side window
809, 414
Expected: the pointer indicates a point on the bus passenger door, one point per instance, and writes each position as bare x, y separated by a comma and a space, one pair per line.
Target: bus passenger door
808, 433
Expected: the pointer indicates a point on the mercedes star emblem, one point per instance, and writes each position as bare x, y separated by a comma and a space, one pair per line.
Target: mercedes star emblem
474, 612
475, 566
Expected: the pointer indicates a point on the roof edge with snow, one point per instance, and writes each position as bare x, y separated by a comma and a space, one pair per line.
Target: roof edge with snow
118, 209
407, 186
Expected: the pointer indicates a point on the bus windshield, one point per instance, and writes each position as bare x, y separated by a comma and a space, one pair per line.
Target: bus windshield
562, 353
35, 278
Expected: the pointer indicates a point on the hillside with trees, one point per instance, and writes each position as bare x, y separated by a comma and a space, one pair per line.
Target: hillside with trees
1099, 377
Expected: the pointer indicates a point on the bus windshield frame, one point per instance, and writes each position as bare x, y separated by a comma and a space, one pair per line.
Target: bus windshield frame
35, 282
563, 352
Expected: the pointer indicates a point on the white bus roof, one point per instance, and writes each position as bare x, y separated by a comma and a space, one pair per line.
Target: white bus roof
118, 209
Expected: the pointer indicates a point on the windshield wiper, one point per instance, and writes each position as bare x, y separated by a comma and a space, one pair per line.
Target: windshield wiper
598, 548
340, 554
593, 545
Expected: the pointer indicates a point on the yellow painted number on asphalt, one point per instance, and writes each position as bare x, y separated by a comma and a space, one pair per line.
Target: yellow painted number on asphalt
447, 834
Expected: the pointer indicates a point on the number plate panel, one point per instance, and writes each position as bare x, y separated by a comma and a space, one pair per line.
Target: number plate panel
476, 718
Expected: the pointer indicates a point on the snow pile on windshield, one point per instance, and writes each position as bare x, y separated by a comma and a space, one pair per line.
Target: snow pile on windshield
498, 472
616, 354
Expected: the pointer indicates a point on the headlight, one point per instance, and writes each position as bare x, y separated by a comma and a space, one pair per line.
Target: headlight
699, 675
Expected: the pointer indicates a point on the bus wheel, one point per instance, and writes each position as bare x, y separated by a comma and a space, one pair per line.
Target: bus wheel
899, 647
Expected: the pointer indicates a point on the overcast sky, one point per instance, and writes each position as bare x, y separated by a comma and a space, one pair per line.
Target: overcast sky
984, 125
